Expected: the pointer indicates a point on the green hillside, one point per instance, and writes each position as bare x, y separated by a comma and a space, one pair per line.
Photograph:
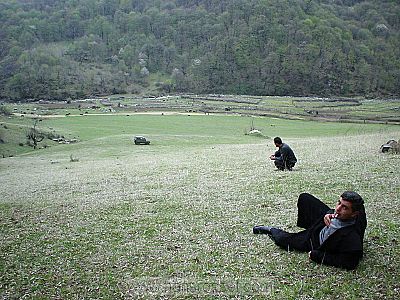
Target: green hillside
73, 49
173, 220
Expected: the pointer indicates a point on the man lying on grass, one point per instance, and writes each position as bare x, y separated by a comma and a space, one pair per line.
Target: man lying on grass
331, 237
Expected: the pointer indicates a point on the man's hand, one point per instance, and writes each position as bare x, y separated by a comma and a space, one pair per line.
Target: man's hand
328, 218
272, 157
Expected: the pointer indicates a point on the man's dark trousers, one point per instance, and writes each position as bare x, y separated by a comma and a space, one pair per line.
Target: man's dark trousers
309, 213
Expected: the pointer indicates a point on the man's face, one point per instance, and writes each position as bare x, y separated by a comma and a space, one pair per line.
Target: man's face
344, 210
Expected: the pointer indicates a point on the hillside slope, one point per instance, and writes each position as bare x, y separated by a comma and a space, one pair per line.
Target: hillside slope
72, 49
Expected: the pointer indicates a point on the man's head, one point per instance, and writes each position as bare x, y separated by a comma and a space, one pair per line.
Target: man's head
349, 205
277, 141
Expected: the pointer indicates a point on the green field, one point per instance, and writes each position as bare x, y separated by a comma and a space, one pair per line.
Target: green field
173, 220
174, 129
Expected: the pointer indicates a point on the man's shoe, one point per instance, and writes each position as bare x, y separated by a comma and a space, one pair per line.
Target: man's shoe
262, 230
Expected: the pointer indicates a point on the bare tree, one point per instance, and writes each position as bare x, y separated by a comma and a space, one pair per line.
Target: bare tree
1, 137
34, 136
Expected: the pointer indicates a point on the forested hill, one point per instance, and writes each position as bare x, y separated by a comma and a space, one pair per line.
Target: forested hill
60, 49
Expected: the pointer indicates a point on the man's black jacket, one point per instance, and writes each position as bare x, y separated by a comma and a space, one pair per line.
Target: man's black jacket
344, 248
286, 153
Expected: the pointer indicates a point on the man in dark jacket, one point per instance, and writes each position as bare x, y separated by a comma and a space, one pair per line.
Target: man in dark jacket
284, 157
331, 237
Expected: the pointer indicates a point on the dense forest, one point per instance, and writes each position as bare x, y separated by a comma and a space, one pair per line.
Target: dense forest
67, 49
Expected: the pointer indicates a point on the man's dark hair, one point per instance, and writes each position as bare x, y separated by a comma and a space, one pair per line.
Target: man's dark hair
357, 203
278, 140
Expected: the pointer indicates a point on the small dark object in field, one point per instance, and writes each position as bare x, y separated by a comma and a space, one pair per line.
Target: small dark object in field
141, 140
391, 145
73, 159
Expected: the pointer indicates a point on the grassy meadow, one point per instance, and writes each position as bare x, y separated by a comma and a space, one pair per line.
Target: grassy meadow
173, 220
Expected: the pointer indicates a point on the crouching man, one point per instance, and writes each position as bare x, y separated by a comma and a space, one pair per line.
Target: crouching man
331, 237
284, 157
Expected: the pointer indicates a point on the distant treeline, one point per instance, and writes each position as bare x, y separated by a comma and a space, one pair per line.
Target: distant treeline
60, 49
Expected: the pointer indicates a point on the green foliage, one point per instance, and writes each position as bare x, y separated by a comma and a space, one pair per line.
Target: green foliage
61, 49
4, 110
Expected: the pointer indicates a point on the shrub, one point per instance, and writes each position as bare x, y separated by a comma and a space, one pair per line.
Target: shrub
4, 111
